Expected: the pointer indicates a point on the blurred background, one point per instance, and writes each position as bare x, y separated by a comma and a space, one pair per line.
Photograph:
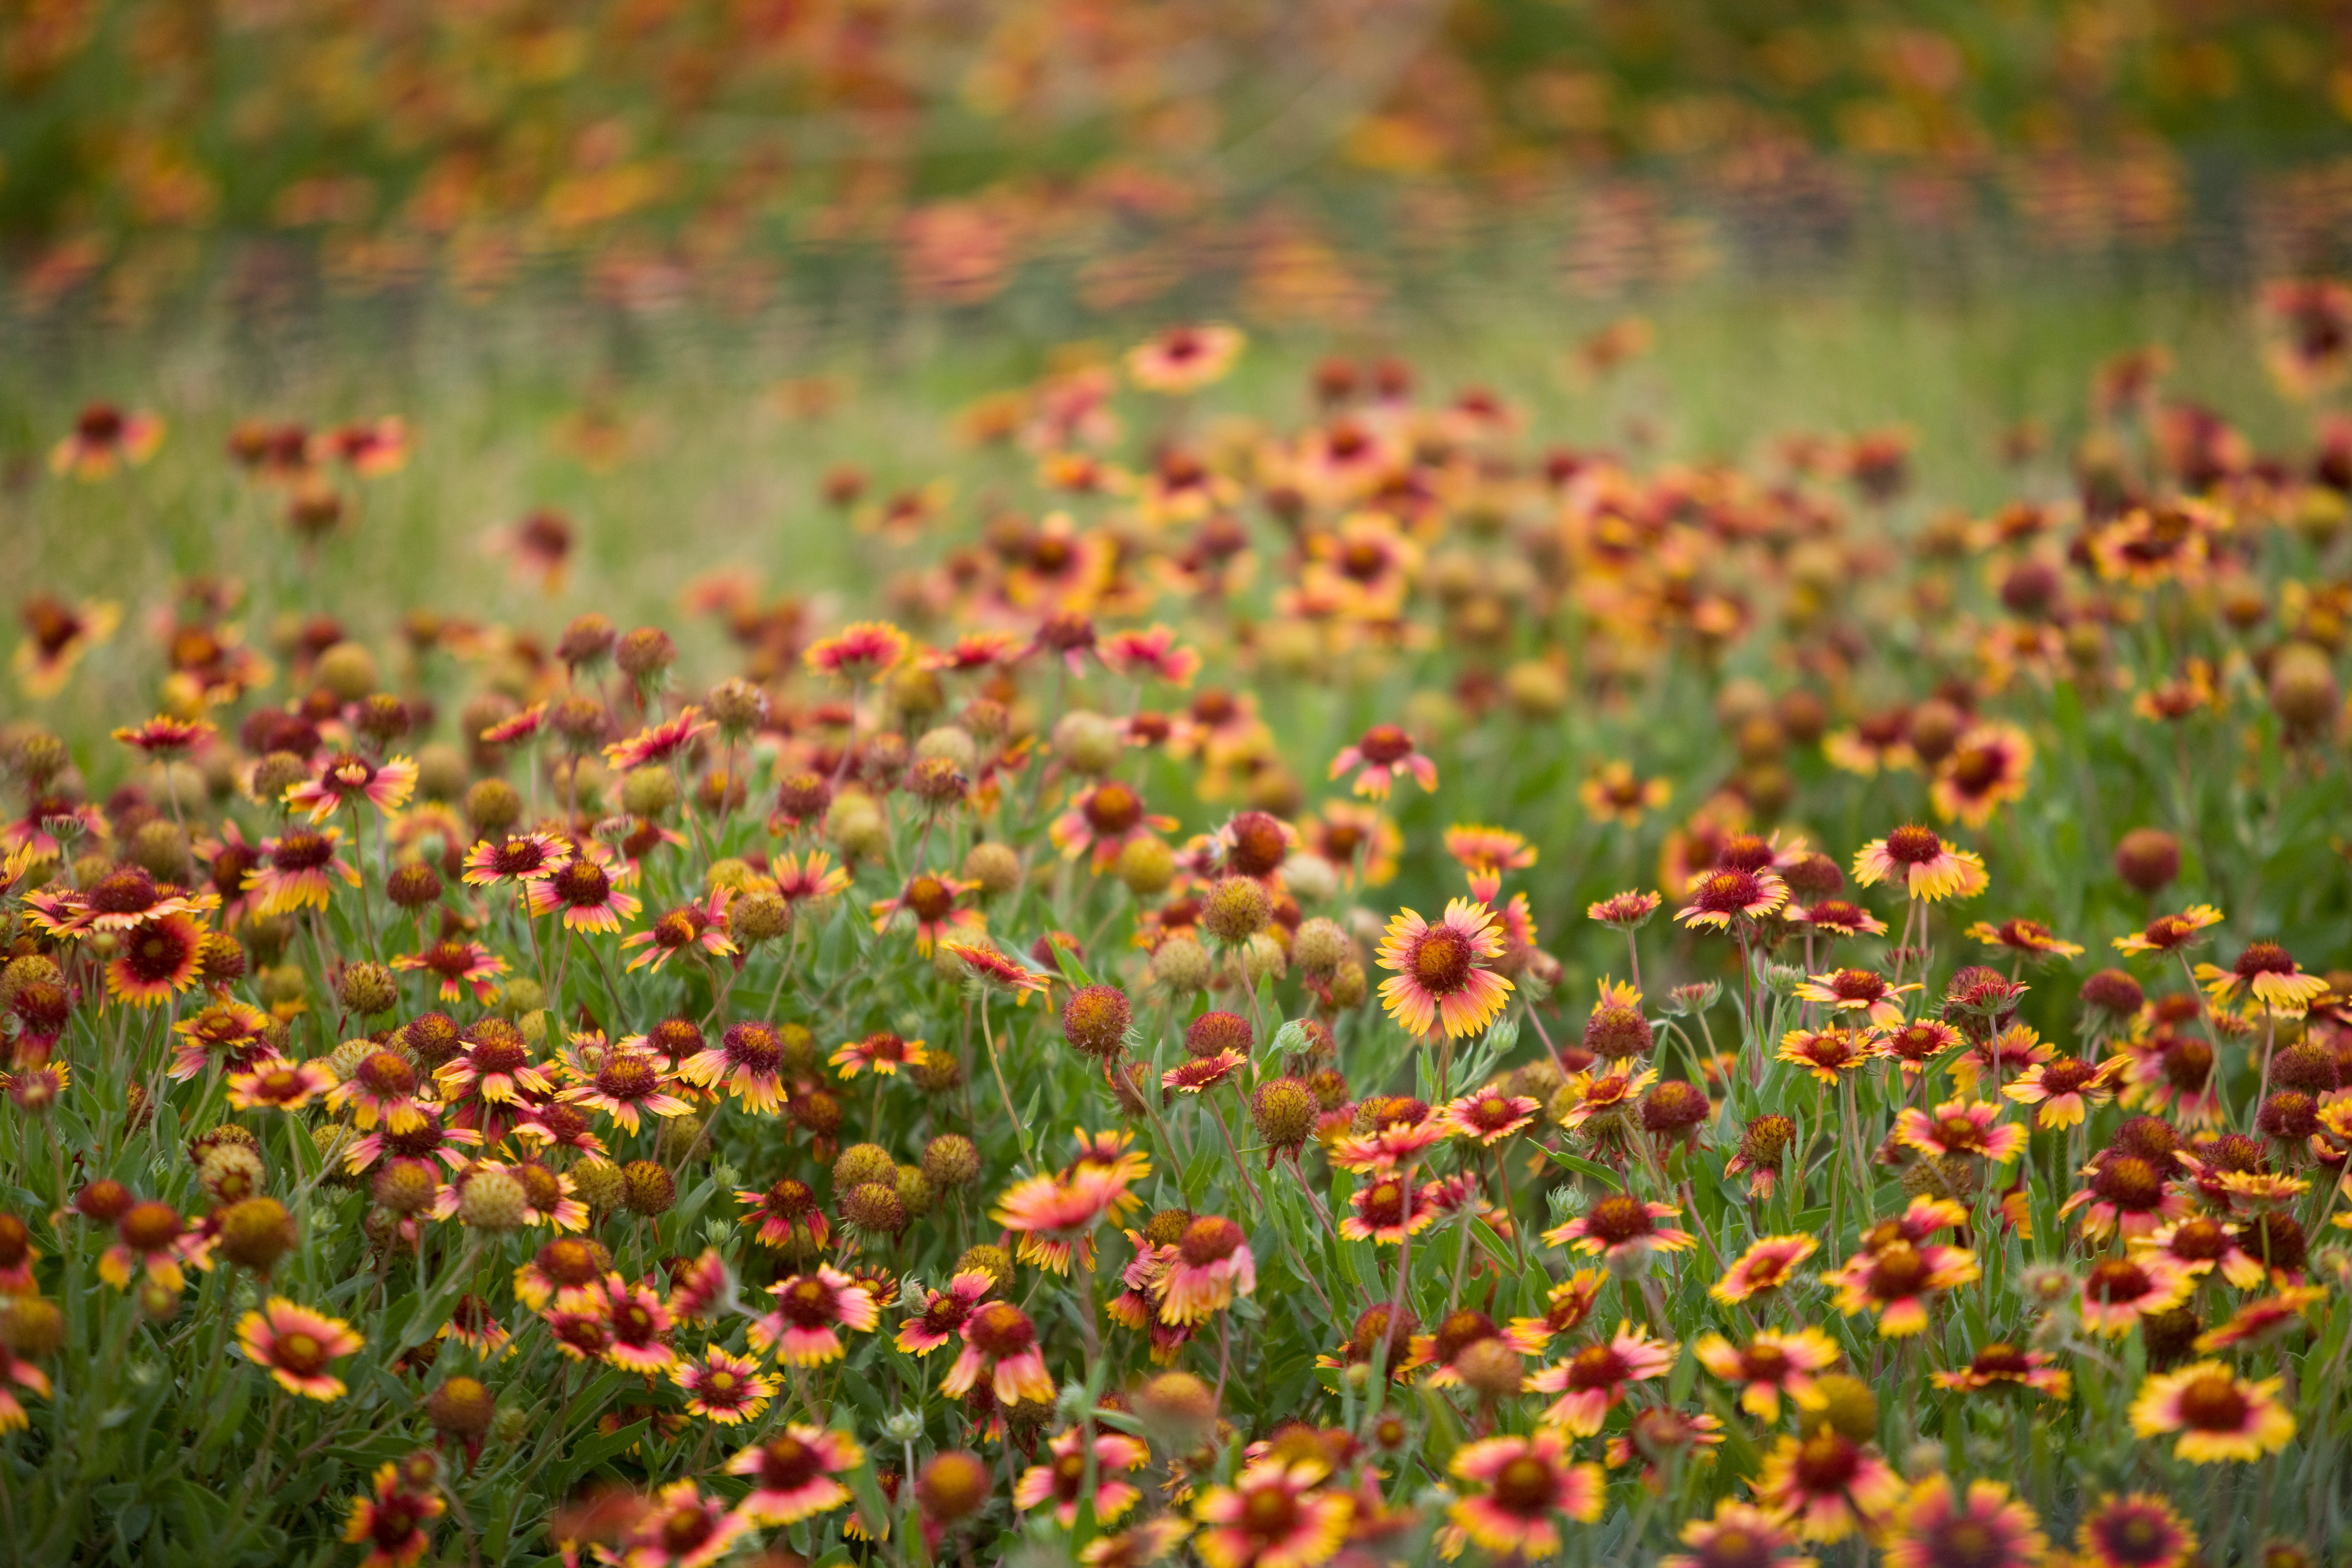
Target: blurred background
675, 259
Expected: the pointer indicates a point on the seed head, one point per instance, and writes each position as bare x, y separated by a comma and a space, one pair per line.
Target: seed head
257, 1232
493, 805
1095, 1018
1236, 909
874, 1207
953, 1486
1283, 1111
461, 1406
1182, 965
951, 1161
1847, 1407
994, 866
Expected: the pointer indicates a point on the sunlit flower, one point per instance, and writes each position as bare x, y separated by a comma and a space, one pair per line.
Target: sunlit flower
295, 870
347, 779
1897, 1279
700, 922
1061, 1480
1960, 1127
881, 1051
2029, 937
279, 1085
2169, 933
1615, 793
1940, 1525
747, 1062
1000, 1341
1930, 869
944, 1311
858, 652
794, 1474
1828, 1486
1185, 358
1984, 771
389, 1520
2268, 972
1858, 989
523, 857
296, 1345
1274, 1516
1441, 976
1595, 1378
1740, 1535
810, 1308
588, 891
1490, 1118
57, 635
657, 744
1727, 893
1385, 1211
2118, 1291
1625, 911
1527, 1481
930, 898
1569, 1304
1383, 752
1771, 1263
156, 961
681, 1528
2064, 1088
723, 1388
460, 968
2220, 1415
1617, 1225
1829, 1053
627, 1084
2001, 1365
1772, 1363
2140, 1529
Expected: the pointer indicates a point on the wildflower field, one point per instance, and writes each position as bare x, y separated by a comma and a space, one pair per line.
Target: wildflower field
1192, 950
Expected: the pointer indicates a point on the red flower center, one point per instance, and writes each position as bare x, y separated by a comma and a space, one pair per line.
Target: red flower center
755, 1047
787, 1464
2001, 1361
302, 851
582, 884
2187, 1063
2117, 1282
2066, 1075
384, 1075
2130, 1182
1384, 745
1211, 1238
2212, 1403
123, 892
1269, 1513
1000, 1329
1912, 845
1442, 960
300, 1353
2263, 958
628, 1077
1113, 808
1524, 1486
1618, 1219
930, 898
1898, 1271
1596, 1366
1826, 1462
1966, 1543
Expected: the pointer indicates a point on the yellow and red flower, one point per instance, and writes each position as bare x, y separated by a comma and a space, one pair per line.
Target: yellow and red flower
802, 1329
1595, 1378
724, 1388
1061, 1480
2138, 1530
1773, 1362
389, 1518
296, 1345
1828, 1486
2220, 1417
1527, 1480
1276, 1515
1440, 978
1930, 869
794, 1474
1983, 1525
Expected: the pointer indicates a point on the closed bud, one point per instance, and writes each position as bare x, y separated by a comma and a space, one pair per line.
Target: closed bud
1145, 866
367, 989
1844, 1405
257, 1232
994, 866
953, 1486
493, 805
492, 1200
951, 1161
599, 1183
461, 1406
647, 1188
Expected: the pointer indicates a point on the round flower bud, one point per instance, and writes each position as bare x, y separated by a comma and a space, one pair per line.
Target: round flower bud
647, 1188
736, 704
951, 1161
950, 745
1617, 1030
1284, 1111
953, 1486
759, 917
856, 828
493, 805
1095, 1020
937, 782
231, 1172
1673, 1108
413, 885
522, 994
32, 1326
1212, 1032
1179, 1409
2301, 686
940, 1072
1236, 909
1310, 879
645, 653
989, 1259
993, 865
404, 1186
367, 989
914, 692
916, 1194
2147, 859
1087, 744
492, 1200
649, 791
1490, 1366
873, 1207
883, 760
804, 796
440, 771
461, 1407
1847, 1407
815, 1112
599, 1183
41, 757
160, 847
275, 774
159, 1301
2115, 992
1145, 866
860, 1163
1348, 987
348, 670
257, 1232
